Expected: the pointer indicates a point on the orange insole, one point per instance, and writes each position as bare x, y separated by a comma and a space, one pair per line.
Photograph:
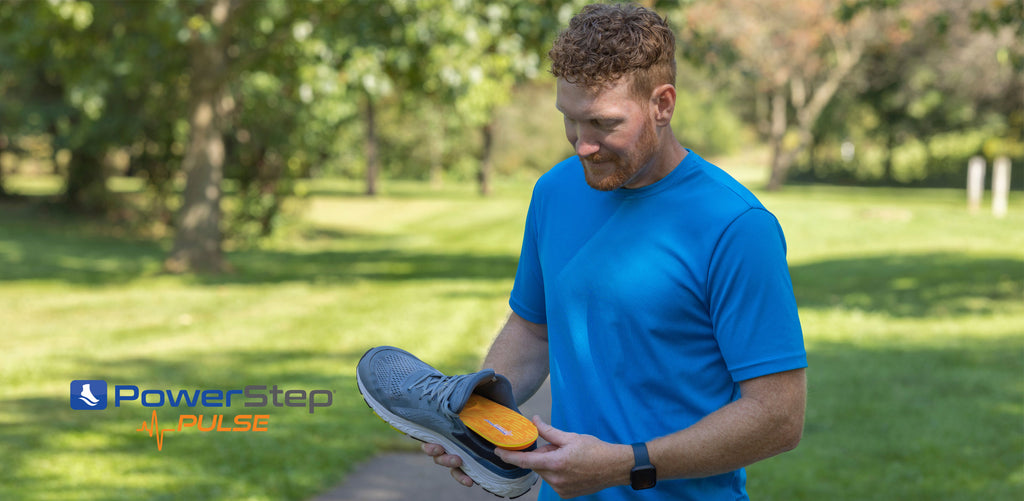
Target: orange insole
498, 424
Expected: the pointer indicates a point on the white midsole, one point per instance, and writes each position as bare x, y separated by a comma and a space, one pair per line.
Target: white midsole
488, 480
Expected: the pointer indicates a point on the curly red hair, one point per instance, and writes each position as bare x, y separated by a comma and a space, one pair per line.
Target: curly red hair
604, 43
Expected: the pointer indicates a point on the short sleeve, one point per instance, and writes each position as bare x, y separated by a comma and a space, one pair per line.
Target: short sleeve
527, 297
751, 299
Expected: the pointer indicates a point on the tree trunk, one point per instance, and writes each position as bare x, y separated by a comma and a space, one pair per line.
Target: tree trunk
777, 175
198, 239
269, 172
807, 111
372, 156
85, 183
890, 145
486, 160
3, 148
197, 243
437, 152
86, 188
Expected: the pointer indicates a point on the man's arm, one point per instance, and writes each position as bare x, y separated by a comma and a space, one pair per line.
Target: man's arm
766, 420
520, 353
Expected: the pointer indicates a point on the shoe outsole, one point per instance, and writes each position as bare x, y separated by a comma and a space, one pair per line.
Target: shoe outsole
487, 481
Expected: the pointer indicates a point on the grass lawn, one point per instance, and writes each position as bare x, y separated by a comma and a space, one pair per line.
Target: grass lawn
913, 312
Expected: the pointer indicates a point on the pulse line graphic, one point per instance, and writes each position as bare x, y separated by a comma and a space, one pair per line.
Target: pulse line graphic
153, 428
242, 423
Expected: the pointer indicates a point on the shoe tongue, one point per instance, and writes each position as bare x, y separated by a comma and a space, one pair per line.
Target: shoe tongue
466, 385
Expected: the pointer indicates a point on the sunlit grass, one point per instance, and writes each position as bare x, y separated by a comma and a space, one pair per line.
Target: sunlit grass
913, 312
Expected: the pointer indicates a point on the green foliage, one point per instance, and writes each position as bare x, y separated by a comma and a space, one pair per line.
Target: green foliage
530, 135
59, 96
97, 80
916, 113
1001, 13
849, 9
704, 119
941, 161
133, 96
446, 65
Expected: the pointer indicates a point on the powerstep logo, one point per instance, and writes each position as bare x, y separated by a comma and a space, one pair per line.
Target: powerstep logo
91, 394
88, 394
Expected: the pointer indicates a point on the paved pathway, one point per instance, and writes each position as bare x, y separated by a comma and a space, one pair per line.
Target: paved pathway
414, 476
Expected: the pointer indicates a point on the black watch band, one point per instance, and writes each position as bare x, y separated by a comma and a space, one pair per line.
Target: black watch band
643, 475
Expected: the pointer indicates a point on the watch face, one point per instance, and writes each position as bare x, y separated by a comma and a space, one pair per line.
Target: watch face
643, 477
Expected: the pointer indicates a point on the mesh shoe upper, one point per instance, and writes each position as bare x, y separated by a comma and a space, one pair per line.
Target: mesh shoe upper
413, 390
399, 379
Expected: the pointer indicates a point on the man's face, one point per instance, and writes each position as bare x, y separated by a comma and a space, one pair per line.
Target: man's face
612, 132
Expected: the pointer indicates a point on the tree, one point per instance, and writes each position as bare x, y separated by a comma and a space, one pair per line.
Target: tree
197, 241
57, 97
161, 80
91, 78
254, 71
464, 57
919, 106
512, 40
797, 52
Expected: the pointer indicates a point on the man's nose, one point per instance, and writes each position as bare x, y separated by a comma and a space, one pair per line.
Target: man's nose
586, 147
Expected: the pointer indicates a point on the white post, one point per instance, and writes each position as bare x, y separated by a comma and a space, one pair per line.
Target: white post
975, 182
1000, 186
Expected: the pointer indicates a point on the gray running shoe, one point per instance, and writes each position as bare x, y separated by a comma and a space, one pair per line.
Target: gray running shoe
423, 403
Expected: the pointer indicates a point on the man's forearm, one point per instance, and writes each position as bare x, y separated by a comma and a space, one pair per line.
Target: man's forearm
766, 421
520, 353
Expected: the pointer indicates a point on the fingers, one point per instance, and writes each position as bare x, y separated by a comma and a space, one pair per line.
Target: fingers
550, 433
450, 461
539, 458
432, 449
512, 457
461, 477
441, 458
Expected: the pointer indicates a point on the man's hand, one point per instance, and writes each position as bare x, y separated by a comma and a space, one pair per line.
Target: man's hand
451, 461
574, 465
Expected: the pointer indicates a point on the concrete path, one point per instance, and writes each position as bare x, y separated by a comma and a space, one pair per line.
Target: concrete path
414, 476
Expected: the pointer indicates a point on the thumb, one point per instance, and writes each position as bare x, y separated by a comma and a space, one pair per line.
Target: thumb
550, 433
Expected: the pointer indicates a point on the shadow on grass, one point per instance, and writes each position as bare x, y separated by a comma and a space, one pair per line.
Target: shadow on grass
921, 423
379, 265
299, 454
40, 243
911, 285
906, 285
44, 249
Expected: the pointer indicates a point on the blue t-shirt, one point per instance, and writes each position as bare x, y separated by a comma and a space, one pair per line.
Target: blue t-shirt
658, 301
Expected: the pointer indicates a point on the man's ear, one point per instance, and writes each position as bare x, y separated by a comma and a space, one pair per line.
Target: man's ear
663, 104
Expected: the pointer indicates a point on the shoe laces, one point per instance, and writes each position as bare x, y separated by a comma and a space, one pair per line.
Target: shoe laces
438, 389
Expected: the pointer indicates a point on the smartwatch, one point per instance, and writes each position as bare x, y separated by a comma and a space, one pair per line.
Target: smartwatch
643, 475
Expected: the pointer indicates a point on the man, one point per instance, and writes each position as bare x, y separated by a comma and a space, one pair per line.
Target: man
651, 286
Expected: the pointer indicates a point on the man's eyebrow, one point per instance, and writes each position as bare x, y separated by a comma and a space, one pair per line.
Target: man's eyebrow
599, 118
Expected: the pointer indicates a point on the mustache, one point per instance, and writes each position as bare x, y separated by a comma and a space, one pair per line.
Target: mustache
599, 157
